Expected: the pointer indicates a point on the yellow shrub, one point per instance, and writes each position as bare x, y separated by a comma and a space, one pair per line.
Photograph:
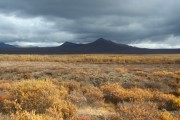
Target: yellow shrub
167, 116
130, 59
113, 92
138, 111
117, 93
71, 85
93, 95
139, 94
4, 86
177, 72
178, 91
168, 73
62, 110
29, 116
162, 73
63, 92
31, 95
38, 96
176, 101
121, 70
161, 97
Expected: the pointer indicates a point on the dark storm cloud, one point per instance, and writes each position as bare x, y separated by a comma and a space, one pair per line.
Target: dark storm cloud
124, 21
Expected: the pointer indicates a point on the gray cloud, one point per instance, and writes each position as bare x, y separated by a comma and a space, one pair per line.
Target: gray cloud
56, 21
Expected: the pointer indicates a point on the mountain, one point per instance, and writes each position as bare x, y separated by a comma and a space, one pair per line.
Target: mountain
3, 45
100, 46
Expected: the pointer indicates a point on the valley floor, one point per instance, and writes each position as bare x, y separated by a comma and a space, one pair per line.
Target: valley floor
89, 91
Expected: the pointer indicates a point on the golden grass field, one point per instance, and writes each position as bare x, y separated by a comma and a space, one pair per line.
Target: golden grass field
101, 58
90, 87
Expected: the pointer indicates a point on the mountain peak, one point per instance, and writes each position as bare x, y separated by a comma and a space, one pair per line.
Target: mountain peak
102, 41
67, 44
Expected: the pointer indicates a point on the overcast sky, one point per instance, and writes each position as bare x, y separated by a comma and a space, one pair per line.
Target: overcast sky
142, 23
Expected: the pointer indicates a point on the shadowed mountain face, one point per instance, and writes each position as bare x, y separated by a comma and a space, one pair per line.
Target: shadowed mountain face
3, 45
100, 46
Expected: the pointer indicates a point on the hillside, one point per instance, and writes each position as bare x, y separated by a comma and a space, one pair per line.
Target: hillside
100, 46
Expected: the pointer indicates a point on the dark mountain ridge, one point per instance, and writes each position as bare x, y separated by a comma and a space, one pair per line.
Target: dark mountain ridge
100, 46
3, 45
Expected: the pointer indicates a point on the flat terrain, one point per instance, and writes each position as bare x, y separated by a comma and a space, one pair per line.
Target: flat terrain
90, 87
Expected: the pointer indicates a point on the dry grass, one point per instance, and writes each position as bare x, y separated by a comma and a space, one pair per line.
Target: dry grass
40, 99
138, 111
55, 87
29, 98
116, 59
167, 116
29, 116
115, 93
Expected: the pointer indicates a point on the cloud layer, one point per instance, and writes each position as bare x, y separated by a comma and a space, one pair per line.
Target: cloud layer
153, 24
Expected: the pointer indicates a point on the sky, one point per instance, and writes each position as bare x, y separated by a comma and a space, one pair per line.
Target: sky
141, 23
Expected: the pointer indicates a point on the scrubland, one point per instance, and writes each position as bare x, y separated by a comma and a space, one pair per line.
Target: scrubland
89, 87
101, 58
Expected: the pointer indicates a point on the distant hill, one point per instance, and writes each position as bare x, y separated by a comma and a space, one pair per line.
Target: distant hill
3, 45
100, 46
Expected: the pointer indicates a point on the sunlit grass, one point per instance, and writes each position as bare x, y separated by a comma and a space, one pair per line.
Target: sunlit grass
50, 87
116, 59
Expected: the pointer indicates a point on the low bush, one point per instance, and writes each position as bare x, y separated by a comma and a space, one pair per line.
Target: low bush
138, 111
4, 85
29, 116
176, 101
167, 116
115, 93
121, 70
93, 95
62, 110
37, 96
31, 95
71, 85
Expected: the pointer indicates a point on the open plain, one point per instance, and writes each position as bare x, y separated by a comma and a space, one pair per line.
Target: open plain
90, 87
